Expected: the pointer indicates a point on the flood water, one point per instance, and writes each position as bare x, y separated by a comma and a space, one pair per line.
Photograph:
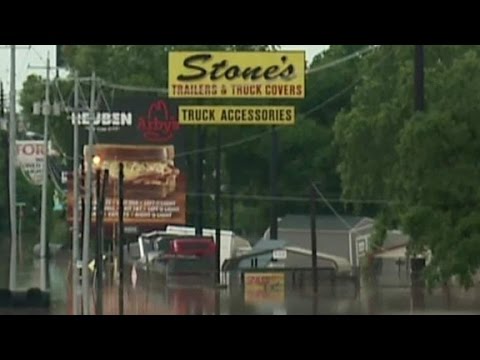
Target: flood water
187, 296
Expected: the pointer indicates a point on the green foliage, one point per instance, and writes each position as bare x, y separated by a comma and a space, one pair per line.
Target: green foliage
31, 196
60, 233
307, 151
425, 165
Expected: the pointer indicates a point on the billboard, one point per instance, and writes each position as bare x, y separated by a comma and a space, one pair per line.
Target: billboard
237, 115
133, 120
143, 133
154, 188
30, 154
261, 75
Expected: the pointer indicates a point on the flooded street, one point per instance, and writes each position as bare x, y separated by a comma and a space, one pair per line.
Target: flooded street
187, 296
312, 179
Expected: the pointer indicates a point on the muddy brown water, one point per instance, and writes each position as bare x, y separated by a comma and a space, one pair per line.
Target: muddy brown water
182, 296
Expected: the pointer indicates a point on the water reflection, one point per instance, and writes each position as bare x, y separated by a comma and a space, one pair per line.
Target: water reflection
187, 296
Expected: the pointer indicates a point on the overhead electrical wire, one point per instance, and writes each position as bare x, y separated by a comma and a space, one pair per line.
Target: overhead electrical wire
237, 142
248, 139
263, 133
334, 63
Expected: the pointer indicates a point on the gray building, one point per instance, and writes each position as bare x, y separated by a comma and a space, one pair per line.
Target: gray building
346, 238
392, 266
263, 256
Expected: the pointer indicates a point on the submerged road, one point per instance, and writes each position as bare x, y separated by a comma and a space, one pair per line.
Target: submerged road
180, 297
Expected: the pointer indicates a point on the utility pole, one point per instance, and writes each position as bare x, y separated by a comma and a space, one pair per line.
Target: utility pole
313, 232
88, 202
76, 200
3, 120
12, 128
232, 206
43, 216
418, 265
218, 209
46, 110
419, 78
2, 102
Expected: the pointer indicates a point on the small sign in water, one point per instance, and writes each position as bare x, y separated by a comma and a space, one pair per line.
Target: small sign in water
131, 230
280, 312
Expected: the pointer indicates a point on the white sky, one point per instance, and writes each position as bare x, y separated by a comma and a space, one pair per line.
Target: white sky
37, 55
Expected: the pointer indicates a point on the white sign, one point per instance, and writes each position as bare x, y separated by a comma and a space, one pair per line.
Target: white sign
3, 124
281, 311
134, 276
64, 177
106, 119
30, 155
279, 254
362, 247
132, 230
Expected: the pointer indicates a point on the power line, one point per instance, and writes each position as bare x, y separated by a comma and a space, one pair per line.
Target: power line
133, 88
38, 54
260, 135
26, 57
334, 63
252, 137
332, 209
293, 198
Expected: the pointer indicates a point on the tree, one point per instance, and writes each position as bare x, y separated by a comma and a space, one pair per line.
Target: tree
307, 150
424, 165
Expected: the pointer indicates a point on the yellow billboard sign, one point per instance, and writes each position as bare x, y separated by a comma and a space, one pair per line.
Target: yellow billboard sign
265, 288
259, 75
236, 115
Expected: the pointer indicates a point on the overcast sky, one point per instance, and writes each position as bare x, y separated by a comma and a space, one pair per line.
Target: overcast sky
37, 55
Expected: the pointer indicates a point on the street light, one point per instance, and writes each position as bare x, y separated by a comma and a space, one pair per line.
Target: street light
97, 161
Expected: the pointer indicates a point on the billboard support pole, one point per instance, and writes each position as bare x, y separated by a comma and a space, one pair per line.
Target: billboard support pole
273, 185
102, 243
98, 257
120, 238
199, 181
218, 209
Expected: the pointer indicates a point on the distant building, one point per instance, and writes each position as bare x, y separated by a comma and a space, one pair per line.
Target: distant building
391, 261
277, 254
334, 237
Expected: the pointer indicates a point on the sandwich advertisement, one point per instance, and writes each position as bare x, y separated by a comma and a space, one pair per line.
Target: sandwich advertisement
142, 133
